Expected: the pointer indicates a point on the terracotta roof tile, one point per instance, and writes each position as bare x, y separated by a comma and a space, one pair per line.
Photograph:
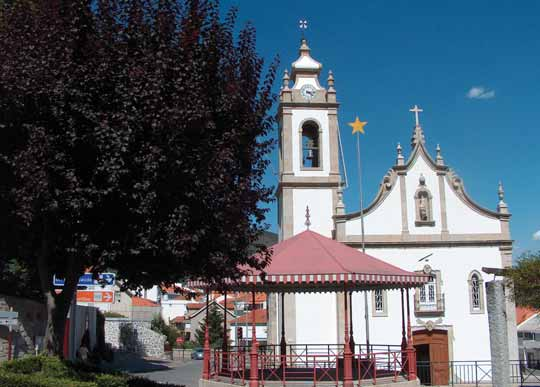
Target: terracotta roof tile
260, 317
522, 314
139, 301
179, 319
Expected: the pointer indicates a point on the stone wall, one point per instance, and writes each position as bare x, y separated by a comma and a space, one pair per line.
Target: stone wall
31, 328
134, 336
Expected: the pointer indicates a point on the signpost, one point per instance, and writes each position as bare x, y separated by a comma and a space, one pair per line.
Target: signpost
95, 296
87, 280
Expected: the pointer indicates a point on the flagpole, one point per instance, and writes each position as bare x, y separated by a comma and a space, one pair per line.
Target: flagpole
366, 309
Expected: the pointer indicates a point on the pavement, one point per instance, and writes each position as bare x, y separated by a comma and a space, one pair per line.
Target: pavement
185, 373
180, 372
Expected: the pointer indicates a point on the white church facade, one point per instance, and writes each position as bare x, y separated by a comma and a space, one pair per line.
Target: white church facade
421, 220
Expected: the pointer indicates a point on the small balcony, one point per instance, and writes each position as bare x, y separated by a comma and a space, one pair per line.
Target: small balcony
427, 308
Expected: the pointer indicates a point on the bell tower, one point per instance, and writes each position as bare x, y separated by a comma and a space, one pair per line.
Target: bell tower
308, 148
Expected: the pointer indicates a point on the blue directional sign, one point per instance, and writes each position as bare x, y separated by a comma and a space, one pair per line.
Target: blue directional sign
87, 280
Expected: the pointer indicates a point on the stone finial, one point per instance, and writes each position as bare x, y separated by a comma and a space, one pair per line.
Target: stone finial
307, 222
331, 81
340, 206
439, 160
304, 48
418, 137
502, 206
285, 80
400, 159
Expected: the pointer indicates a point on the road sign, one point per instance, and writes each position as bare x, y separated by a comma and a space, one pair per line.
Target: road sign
8, 318
87, 280
9, 322
95, 296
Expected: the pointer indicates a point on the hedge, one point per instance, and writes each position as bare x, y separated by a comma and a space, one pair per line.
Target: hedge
44, 371
37, 380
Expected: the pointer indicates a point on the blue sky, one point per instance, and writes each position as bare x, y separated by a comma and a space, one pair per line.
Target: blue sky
388, 55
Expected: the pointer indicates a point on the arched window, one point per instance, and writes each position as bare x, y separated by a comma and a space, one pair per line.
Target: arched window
422, 199
311, 148
476, 292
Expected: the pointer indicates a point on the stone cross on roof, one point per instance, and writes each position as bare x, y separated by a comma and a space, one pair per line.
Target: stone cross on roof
416, 110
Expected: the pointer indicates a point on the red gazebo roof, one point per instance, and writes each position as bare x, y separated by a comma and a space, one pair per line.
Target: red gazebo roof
312, 262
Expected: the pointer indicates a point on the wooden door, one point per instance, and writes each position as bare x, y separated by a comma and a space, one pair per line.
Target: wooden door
437, 340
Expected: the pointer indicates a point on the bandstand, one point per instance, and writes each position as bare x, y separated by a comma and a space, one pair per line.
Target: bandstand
310, 262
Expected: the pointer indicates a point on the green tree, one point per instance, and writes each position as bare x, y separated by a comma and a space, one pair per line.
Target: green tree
133, 137
159, 325
524, 280
215, 328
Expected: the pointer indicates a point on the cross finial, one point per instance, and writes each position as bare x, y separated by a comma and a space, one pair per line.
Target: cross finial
416, 110
302, 24
307, 223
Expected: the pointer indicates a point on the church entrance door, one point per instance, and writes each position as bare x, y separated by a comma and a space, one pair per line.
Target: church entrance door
432, 356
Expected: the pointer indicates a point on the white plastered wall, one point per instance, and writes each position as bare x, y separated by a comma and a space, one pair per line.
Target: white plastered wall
470, 331
321, 117
464, 220
316, 320
384, 220
320, 207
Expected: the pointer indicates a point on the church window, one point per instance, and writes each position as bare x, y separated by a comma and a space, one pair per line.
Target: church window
379, 302
429, 299
476, 292
310, 145
424, 209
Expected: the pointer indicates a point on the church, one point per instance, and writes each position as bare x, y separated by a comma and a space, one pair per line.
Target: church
421, 220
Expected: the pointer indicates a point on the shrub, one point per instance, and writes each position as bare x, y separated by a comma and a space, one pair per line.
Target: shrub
24, 365
36, 380
113, 315
105, 380
55, 368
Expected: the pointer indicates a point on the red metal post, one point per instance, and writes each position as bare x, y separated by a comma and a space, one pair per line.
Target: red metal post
347, 354
283, 342
206, 349
225, 344
411, 353
351, 340
403, 338
254, 356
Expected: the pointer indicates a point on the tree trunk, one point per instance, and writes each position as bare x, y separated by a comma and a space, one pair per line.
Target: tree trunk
56, 323
57, 304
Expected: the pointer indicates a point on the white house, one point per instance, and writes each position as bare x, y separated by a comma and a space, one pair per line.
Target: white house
421, 219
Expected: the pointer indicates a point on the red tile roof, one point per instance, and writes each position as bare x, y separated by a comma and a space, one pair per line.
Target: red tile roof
246, 297
179, 319
523, 314
195, 305
139, 301
260, 317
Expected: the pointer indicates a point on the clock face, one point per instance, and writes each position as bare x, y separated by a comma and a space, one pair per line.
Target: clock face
308, 92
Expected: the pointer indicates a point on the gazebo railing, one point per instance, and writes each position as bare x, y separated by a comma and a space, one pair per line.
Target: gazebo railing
316, 349
235, 366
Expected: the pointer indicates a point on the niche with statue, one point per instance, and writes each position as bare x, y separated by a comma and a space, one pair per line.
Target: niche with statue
423, 203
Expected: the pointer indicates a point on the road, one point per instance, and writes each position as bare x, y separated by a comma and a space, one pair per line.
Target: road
182, 373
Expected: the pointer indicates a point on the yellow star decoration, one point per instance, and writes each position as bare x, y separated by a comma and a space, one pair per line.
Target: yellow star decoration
357, 125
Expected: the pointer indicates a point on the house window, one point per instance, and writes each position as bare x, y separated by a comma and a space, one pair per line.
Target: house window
476, 292
310, 145
379, 302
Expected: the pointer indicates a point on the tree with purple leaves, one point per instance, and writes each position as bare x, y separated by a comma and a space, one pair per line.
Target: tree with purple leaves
133, 137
